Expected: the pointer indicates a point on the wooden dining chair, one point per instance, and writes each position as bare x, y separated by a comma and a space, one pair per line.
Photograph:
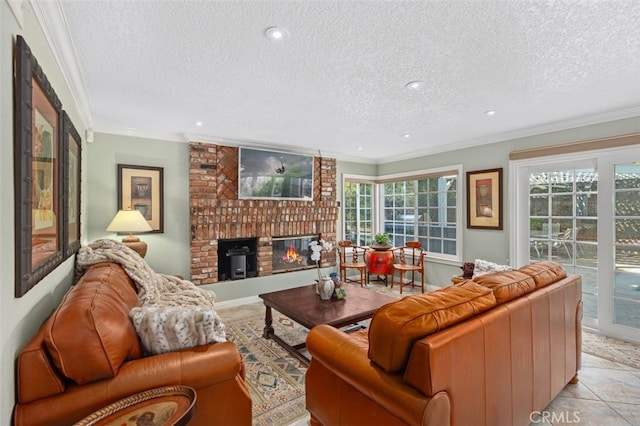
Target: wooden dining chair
409, 258
352, 257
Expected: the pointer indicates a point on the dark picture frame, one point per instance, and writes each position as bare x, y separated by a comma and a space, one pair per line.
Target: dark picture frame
38, 169
141, 188
484, 199
264, 174
71, 166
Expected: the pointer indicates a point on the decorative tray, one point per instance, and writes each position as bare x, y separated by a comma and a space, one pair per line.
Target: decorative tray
170, 405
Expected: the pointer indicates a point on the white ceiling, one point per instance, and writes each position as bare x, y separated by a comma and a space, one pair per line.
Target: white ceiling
154, 68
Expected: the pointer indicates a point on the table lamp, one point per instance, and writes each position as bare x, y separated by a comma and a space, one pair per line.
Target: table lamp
131, 221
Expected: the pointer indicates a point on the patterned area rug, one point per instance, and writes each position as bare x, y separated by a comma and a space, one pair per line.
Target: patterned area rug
610, 349
275, 379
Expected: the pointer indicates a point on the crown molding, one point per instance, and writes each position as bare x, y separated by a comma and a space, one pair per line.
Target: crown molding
141, 133
51, 18
274, 146
521, 133
193, 137
18, 12
469, 143
258, 144
499, 137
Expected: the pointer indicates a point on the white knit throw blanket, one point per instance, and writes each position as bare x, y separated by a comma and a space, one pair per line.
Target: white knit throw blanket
173, 313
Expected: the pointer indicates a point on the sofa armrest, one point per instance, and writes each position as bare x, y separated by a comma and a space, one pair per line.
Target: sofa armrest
216, 365
196, 367
338, 353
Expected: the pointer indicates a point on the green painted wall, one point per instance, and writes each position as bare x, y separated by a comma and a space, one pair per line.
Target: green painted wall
21, 317
166, 251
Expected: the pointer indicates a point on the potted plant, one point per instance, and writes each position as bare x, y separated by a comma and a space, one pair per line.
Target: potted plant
382, 241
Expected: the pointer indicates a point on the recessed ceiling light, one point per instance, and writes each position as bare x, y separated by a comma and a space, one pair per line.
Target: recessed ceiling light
406, 136
276, 33
490, 112
199, 123
414, 85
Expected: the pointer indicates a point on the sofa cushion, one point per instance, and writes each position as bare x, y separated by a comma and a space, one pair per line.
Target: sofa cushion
90, 334
544, 273
507, 285
398, 324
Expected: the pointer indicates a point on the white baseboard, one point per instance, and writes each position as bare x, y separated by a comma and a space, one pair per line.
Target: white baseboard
237, 302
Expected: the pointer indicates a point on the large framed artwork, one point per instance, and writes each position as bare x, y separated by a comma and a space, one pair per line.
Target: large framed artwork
484, 199
37, 158
71, 156
271, 174
141, 188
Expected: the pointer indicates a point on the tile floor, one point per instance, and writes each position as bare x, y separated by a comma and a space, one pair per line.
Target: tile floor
606, 394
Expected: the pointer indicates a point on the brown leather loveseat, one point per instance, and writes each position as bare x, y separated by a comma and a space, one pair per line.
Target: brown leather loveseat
87, 355
493, 351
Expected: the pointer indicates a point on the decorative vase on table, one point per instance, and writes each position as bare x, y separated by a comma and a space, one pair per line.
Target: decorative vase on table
326, 287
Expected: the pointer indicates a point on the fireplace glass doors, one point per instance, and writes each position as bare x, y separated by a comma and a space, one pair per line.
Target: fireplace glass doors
292, 253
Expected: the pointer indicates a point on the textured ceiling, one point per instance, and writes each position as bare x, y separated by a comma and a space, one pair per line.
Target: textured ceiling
338, 82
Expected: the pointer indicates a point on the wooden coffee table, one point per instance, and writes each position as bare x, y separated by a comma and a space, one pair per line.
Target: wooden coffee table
305, 307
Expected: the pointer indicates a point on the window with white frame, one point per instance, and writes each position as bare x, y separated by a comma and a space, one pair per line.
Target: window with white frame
358, 212
422, 206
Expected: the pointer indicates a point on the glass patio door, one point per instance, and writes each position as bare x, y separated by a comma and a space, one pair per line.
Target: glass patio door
620, 304
563, 223
583, 211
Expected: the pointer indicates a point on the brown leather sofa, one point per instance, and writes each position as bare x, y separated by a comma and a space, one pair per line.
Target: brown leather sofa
492, 351
87, 355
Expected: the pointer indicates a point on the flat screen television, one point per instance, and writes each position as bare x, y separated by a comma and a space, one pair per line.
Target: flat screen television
274, 175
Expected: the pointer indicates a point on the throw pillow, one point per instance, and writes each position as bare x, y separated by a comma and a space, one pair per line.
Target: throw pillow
485, 267
169, 328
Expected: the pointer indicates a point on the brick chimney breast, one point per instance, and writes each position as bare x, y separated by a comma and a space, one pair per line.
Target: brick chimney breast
216, 212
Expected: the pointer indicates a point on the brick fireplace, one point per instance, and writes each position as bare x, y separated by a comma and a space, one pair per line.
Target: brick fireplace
216, 213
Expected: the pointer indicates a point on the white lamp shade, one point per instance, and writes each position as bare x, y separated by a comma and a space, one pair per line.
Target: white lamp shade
130, 221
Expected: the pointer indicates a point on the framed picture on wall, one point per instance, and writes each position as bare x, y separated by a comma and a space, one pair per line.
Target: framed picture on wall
141, 188
484, 199
38, 184
272, 174
71, 156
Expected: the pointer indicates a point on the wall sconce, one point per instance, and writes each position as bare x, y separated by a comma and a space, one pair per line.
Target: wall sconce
131, 221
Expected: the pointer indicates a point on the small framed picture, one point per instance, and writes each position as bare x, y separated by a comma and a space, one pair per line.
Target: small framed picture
71, 156
141, 188
484, 199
